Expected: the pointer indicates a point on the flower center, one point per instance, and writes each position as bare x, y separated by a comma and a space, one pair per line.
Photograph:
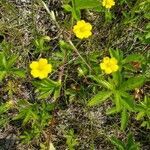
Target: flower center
109, 65
82, 29
40, 67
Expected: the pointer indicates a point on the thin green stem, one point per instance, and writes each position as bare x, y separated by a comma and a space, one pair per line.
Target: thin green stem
75, 49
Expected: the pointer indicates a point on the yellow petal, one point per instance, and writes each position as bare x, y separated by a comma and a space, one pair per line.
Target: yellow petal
35, 73
87, 34
42, 61
113, 61
108, 70
48, 68
43, 75
108, 3
79, 35
75, 28
103, 66
115, 68
34, 65
88, 26
106, 60
81, 23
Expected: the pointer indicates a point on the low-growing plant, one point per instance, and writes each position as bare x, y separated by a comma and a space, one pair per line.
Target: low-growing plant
4, 108
34, 117
143, 110
7, 63
75, 7
120, 85
129, 144
41, 44
71, 139
46, 88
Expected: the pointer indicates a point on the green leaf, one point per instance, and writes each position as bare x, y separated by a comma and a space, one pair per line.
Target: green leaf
18, 72
144, 124
127, 101
140, 115
99, 98
118, 54
2, 75
119, 144
111, 111
132, 83
3, 61
108, 16
57, 93
45, 88
67, 7
76, 14
147, 36
102, 82
124, 119
130, 141
117, 100
11, 61
87, 4
134, 58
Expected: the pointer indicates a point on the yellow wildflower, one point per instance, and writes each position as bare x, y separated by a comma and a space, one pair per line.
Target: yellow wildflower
40, 69
82, 29
108, 3
109, 65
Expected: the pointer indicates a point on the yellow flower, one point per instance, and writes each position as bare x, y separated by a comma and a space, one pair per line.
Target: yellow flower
82, 29
109, 65
108, 3
40, 69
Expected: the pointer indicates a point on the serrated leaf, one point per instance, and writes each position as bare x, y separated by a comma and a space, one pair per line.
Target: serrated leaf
45, 88
119, 144
76, 14
144, 124
67, 7
140, 115
2, 75
99, 98
87, 4
147, 36
117, 101
134, 58
102, 82
18, 72
127, 101
131, 145
132, 83
111, 111
124, 119
11, 61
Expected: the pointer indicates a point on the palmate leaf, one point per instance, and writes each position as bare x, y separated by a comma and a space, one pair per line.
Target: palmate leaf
99, 98
47, 87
